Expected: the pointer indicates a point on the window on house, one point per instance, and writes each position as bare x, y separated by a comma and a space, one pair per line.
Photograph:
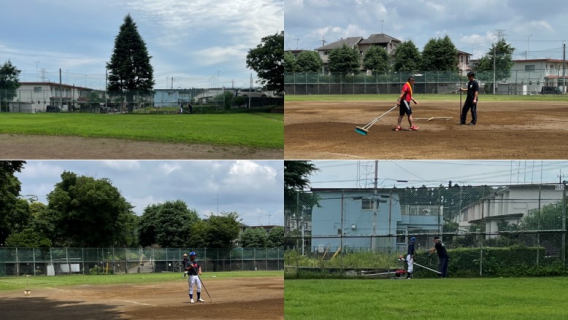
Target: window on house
551, 66
529, 67
401, 236
37, 89
367, 204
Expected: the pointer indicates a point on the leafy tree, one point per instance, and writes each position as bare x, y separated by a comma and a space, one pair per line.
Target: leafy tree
308, 61
197, 235
344, 59
289, 62
267, 59
9, 83
94, 99
276, 237
407, 57
88, 212
502, 52
296, 180
167, 224
239, 101
254, 238
129, 68
10, 188
376, 59
440, 55
549, 218
28, 238
226, 98
222, 230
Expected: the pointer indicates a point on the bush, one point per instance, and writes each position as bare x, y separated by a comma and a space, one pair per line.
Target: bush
100, 270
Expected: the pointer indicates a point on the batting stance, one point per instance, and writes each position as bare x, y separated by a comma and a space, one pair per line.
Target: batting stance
471, 100
194, 271
410, 258
403, 104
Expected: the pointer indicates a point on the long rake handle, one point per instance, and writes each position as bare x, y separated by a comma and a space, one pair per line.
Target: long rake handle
203, 284
438, 272
368, 125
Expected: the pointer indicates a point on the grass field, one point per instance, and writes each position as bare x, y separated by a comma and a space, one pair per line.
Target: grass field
421, 97
249, 130
519, 298
18, 283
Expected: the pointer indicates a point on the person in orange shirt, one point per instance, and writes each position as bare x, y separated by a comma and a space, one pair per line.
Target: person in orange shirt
403, 104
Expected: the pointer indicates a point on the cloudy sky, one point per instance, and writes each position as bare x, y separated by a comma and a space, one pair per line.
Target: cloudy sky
200, 43
360, 174
254, 189
533, 26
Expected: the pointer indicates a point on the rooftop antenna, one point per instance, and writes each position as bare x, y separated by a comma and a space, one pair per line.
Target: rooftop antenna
382, 22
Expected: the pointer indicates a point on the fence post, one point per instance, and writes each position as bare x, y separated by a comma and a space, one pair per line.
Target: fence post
306, 83
266, 259
113, 268
564, 220
17, 264
205, 257
67, 256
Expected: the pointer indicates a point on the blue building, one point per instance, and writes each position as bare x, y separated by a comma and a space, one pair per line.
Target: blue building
370, 220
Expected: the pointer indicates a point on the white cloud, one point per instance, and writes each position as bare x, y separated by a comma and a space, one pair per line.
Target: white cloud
43, 169
247, 174
167, 167
122, 165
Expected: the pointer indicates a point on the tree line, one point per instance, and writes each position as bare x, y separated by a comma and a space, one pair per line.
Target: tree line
439, 54
83, 211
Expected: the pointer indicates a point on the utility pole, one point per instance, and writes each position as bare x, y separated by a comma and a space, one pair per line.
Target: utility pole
382, 22
37, 74
375, 205
528, 46
323, 41
60, 91
296, 42
564, 67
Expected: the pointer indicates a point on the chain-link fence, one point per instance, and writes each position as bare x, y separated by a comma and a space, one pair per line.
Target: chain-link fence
56, 261
515, 82
515, 230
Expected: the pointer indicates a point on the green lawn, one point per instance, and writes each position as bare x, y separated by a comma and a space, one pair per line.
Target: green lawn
18, 283
421, 97
517, 298
251, 130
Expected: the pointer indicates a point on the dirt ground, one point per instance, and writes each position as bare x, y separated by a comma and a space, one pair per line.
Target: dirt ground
505, 130
14, 146
237, 298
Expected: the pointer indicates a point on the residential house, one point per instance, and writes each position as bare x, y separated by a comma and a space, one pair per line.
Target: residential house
34, 97
508, 204
351, 42
369, 219
464, 62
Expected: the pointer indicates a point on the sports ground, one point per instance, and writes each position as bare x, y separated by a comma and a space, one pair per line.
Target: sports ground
234, 295
436, 299
144, 136
509, 127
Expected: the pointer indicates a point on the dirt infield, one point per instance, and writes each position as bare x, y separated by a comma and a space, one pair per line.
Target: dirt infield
236, 298
14, 146
505, 130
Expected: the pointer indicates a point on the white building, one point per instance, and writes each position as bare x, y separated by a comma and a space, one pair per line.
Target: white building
509, 204
34, 97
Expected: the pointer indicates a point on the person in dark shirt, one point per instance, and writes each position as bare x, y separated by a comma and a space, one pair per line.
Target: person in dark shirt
471, 100
442, 256
410, 258
194, 270
183, 264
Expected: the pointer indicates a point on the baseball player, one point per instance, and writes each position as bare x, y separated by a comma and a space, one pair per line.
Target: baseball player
403, 104
410, 258
442, 256
183, 265
471, 100
194, 270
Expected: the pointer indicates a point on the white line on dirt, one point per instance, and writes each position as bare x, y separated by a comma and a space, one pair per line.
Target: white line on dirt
140, 303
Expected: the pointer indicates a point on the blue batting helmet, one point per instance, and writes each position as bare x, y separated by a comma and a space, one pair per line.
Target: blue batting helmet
413, 239
192, 253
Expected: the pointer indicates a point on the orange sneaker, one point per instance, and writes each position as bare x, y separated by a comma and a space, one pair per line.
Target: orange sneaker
414, 128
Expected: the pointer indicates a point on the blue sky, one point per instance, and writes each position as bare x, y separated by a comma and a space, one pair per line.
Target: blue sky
254, 189
471, 25
432, 173
200, 43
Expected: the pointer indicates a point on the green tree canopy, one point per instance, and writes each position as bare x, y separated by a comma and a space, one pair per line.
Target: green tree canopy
10, 188
222, 230
376, 59
130, 71
9, 84
167, 224
344, 59
289, 62
88, 212
308, 61
28, 238
549, 218
276, 237
440, 55
253, 238
502, 52
267, 59
407, 57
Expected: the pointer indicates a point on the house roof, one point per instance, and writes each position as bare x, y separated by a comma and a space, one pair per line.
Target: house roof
55, 84
379, 38
464, 53
350, 42
539, 60
383, 190
499, 217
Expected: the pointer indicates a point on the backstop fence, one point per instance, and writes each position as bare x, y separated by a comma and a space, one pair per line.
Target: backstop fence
512, 230
515, 82
59, 261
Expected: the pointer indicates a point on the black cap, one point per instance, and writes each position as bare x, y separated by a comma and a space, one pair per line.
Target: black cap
436, 238
411, 79
471, 73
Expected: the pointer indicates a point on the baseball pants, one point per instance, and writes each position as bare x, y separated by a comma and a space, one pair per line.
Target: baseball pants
410, 263
194, 280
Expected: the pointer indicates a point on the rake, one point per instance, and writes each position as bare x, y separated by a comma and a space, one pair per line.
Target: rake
365, 129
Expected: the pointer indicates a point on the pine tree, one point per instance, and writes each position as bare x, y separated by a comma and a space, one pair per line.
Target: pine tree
130, 71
